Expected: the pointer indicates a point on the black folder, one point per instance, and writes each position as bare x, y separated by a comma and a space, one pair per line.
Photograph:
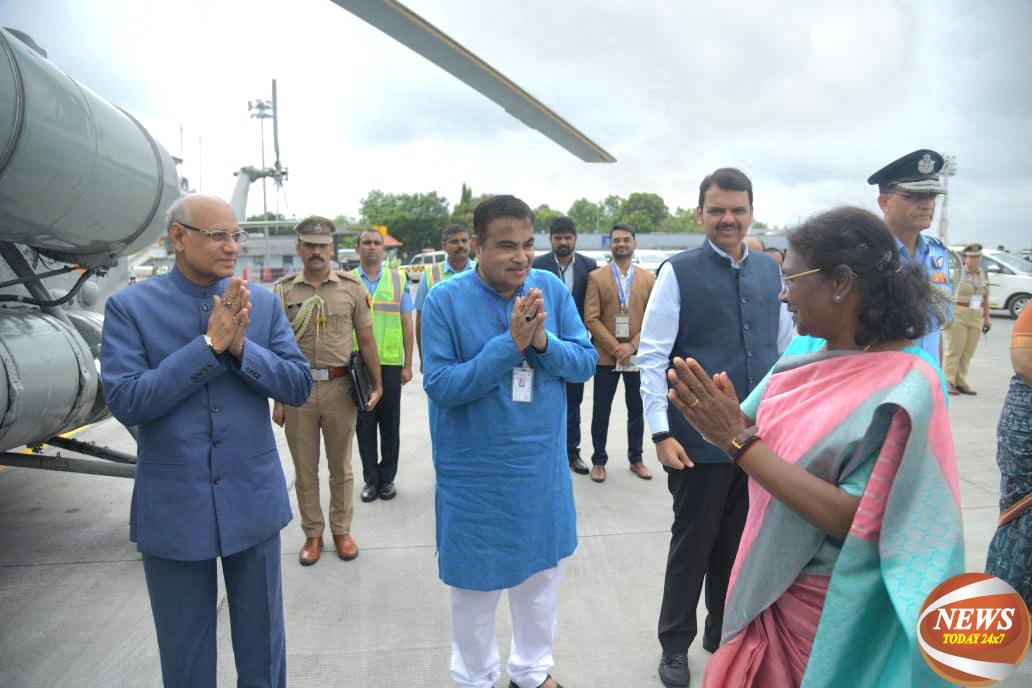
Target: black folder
360, 382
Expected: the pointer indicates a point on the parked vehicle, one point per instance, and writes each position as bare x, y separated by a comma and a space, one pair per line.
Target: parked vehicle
419, 264
1010, 279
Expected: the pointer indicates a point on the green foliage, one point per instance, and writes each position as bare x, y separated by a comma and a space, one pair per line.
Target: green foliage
643, 211
462, 213
759, 225
414, 219
587, 215
543, 216
681, 221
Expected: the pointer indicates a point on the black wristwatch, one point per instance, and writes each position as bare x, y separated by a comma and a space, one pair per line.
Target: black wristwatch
741, 442
658, 437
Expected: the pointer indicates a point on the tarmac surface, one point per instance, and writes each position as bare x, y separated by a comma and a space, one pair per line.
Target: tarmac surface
75, 611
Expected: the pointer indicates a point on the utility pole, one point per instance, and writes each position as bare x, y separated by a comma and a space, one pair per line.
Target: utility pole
261, 110
949, 169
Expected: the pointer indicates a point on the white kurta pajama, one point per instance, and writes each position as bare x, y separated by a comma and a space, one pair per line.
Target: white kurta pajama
504, 500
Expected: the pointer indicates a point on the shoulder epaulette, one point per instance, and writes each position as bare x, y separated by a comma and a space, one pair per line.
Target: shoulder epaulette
346, 274
934, 241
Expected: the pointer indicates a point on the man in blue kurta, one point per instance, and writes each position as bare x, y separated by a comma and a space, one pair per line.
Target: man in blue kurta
499, 345
191, 358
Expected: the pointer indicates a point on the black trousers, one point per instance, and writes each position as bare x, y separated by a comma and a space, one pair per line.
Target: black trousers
387, 417
606, 380
574, 397
710, 505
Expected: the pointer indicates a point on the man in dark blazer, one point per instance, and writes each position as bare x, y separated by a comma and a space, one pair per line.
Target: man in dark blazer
572, 269
192, 358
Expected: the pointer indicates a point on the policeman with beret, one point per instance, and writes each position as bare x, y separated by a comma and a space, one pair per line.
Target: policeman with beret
907, 189
325, 307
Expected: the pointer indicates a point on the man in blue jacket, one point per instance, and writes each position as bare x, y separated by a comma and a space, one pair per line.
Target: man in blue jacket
499, 345
192, 358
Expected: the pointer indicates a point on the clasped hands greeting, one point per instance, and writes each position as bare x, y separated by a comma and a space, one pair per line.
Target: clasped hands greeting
229, 318
527, 324
710, 405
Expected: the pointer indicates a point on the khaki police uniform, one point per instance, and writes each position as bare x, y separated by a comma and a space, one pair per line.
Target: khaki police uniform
962, 336
324, 327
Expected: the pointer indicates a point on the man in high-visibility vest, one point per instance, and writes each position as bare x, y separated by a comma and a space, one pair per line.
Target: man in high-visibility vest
455, 240
392, 328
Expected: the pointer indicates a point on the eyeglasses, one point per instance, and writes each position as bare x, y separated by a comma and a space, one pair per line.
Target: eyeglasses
219, 236
788, 278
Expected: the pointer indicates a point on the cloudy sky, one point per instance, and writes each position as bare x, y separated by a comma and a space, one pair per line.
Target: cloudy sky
808, 98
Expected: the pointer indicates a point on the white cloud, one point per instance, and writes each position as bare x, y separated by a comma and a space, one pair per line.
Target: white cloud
807, 97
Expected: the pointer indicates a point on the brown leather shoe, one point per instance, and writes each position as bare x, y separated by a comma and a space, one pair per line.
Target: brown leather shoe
964, 389
598, 473
952, 389
346, 547
638, 468
310, 551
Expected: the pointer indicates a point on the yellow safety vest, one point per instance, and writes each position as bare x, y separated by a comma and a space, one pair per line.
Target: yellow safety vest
437, 274
386, 307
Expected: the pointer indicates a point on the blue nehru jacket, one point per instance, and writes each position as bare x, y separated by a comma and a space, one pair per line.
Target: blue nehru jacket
729, 322
208, 477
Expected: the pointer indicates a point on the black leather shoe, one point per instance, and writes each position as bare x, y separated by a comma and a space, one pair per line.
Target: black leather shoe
673, 670
369, 492
387, 491
512, 684
576, 465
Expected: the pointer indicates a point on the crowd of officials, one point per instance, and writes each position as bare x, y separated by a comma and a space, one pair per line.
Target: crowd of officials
725, 353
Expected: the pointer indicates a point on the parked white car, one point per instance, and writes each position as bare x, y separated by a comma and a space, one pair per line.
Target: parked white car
421, 263
1010, 279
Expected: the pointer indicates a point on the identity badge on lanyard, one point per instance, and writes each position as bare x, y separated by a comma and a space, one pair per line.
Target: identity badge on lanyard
623, 319
976, 297
522, 376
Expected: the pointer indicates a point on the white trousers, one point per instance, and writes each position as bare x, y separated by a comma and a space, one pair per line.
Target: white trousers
475, 662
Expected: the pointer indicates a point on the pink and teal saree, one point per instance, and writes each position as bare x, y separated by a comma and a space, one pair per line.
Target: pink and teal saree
805, 610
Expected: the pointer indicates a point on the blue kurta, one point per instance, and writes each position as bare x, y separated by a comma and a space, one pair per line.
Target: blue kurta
504, 501
208, 477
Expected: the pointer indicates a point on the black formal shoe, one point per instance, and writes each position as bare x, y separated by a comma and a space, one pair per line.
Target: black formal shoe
370, 493
673, 670
512, 684
576, 465
387, 491
710, 645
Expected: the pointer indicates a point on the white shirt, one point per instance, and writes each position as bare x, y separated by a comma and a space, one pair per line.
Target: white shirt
659, 330
566, 274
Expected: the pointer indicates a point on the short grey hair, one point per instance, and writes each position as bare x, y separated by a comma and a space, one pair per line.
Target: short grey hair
177, 213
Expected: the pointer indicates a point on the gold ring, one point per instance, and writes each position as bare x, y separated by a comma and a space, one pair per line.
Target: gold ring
694, 403
236, 321
528, 318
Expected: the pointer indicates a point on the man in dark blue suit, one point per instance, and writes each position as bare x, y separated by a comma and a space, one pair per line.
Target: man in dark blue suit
572, 269
192, 358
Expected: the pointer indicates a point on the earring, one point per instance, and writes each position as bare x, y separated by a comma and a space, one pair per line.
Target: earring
837, 299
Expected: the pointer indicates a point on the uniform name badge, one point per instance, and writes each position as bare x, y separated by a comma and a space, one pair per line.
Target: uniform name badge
976, 301
523, 384
320, 374
623, 327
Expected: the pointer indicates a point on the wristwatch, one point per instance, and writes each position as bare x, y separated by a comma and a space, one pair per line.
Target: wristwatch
207, 340
740, 442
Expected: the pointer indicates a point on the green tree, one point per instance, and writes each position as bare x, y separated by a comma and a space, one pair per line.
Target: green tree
759, 225
267, 216
543, 216
643, 211
587, 215
681, 221
416, 219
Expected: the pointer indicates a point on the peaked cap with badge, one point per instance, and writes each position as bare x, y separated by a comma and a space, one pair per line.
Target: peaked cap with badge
315, 230
916, 172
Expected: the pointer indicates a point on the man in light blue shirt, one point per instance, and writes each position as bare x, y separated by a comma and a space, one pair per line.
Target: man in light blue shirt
455, 240
907, 189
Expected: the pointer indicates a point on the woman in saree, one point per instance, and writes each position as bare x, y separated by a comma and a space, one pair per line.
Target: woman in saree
854, 509
1010, 552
